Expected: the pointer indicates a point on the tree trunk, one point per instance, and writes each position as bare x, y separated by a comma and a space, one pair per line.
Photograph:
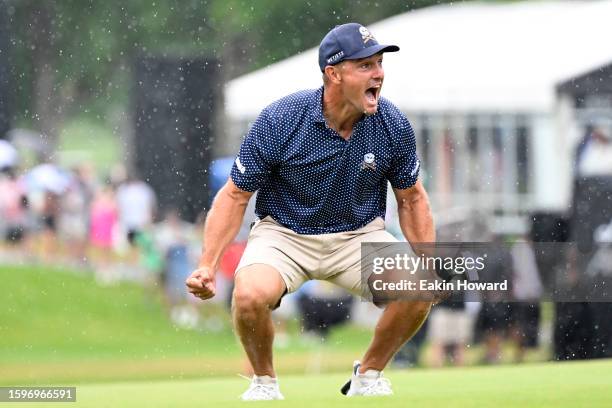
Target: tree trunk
47, 102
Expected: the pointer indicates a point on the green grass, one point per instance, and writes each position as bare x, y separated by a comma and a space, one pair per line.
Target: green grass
573, 384
120, 350
118, 346
51, 315
58, 325
85, 140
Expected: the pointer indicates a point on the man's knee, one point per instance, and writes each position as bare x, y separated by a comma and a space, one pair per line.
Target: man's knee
254, 295
248, 300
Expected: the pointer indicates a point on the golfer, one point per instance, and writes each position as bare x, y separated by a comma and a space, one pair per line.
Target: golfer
320, 161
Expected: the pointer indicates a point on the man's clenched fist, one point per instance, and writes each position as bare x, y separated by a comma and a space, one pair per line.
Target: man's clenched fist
201, 283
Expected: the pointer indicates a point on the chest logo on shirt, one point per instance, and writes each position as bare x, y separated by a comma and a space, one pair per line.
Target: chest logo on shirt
369, 162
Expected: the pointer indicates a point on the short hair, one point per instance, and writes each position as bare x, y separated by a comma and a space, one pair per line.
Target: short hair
324, 75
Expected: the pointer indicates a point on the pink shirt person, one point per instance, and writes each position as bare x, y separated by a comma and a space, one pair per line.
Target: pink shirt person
103, 219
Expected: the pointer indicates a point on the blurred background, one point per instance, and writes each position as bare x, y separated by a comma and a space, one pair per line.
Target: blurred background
119, 121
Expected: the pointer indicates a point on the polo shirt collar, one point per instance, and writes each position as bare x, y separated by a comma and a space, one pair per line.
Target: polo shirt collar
317, 111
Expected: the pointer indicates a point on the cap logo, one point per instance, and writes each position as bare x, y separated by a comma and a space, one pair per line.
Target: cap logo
334, 58
365, 34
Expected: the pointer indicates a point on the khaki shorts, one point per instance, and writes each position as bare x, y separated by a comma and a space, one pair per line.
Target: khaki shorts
298, 258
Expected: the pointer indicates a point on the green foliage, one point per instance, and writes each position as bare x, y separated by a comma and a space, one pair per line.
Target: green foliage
86, 140
272, 30
89, 46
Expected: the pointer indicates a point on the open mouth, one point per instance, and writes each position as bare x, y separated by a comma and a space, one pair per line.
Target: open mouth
372, 94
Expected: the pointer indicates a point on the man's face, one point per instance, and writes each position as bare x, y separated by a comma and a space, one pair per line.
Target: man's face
362, 81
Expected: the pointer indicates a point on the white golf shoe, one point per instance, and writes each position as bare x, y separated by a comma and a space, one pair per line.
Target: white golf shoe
369, 384
264, 388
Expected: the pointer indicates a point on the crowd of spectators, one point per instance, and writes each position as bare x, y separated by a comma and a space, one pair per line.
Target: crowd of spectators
112, 226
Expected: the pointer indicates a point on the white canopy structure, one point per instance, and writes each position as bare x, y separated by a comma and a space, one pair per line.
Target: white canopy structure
470, 57
479, 82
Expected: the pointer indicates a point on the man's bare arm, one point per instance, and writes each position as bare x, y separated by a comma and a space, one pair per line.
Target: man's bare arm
416, 222
415, 218
222, 224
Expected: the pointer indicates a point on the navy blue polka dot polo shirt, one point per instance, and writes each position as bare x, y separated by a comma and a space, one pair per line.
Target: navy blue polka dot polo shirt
310, 179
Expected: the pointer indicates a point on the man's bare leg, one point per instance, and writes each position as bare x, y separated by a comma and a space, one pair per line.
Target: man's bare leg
257, 290
398, 323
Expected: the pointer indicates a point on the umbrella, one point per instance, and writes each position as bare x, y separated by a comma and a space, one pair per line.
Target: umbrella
47, 177
27, 139
8, 155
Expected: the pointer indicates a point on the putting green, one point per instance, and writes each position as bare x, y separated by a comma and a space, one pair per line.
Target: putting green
569, 384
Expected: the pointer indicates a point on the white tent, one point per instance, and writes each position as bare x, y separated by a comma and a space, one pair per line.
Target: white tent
473, 71
461, 57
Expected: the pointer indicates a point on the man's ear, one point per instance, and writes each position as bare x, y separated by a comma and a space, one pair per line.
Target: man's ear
333, 73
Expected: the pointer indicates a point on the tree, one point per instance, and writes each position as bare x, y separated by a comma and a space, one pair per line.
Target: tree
74, 56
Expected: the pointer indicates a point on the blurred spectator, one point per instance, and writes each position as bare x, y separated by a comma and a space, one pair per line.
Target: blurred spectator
494, 316
323, 306
49, 216
450, 330
408, 355
172, 237
582, 329
13, 207
151, 258
526, 291
593, 155
103, 221
45, 184
9, 157
136, 202
228, 264
75, 212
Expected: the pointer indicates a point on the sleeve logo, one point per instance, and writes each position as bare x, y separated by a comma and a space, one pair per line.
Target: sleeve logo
416, 168
241, 168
